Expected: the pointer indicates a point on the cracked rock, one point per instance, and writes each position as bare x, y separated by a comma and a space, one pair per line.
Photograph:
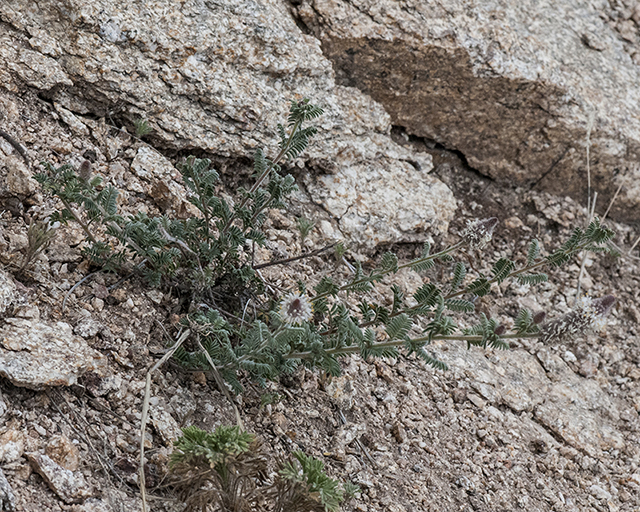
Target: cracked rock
70, 486
38, 354
7, 498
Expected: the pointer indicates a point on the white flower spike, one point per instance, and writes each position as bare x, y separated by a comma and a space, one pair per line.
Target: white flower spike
588, 315
295, 309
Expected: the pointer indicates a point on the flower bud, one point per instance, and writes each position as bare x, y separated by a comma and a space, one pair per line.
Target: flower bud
539, 317
85, 170
479, 232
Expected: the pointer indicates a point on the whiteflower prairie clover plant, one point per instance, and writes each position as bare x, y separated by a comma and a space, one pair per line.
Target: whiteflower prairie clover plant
315, 329
207, 257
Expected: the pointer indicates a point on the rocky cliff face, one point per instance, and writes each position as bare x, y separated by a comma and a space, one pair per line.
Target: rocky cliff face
217, 78
516, 87
516, 90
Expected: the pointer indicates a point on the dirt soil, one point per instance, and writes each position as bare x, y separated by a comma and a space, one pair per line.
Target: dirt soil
413, 438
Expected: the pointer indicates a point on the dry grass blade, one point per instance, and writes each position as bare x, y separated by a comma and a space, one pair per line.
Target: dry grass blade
145, 413
584, 253
222, 385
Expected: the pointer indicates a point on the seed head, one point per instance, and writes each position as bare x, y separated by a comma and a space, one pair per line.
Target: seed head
539, 317
479, 232
295, 309
85, 170
588, 315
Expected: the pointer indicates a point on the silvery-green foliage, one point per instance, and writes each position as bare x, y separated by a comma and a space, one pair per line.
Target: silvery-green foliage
313, 326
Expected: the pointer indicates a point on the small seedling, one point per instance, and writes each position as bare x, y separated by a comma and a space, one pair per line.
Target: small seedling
305, 226
142, 128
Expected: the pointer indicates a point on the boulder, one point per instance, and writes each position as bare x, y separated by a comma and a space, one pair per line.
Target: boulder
218, 77
35, 354
520, 88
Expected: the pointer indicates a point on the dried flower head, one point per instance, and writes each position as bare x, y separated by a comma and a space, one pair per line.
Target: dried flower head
85, 170
295, 309
479, 232
588, 315
500, 330
539, 317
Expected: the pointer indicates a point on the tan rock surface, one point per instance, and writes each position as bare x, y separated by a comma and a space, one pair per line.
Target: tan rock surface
514, 86
37, 354
217, 77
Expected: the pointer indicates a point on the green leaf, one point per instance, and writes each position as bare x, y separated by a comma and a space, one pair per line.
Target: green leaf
461, 305
430, 359
532, 279
428, 295
419, 265
479, 287
389, 262
398, 327
501, 269
459, 273
533, 253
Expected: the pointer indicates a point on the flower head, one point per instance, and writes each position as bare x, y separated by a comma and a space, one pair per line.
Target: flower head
295, 309
479, 232
588, 315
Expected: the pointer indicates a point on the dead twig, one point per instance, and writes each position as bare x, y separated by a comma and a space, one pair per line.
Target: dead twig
295, 258
145, 413
359, 443
16, 145
613, 200
105, 464
68, 294
584, 254
223, 387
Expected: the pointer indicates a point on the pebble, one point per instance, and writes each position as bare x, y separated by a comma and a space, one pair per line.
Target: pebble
70, 486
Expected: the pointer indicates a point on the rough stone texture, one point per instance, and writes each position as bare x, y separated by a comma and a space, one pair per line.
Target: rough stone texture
18, 179
36, 354
71, 487
12, 445
576, 409
7, 498
7, 291
164, 424
63, 452
218, 77
512, 85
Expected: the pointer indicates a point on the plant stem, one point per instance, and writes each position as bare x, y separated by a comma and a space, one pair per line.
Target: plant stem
77, 218
264, 174
515, 273
354, 349
383, 273
294, 258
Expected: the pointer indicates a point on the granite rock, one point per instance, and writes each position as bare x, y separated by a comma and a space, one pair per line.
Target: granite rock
70, 486
217, 77
575, 409
37, 354
515, 86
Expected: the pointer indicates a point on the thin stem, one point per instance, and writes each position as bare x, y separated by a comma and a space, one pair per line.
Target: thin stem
294, 258
77, 218
354, 349
515, 273
205, 208
264, 174
383, 273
